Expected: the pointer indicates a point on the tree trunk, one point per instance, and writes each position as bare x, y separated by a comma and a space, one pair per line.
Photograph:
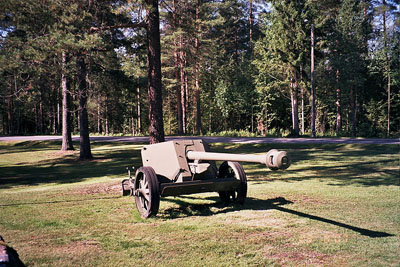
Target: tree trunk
302, 112
36, 120
197, 69
179, 115
388, 104
313, 117
41, 113
353, 114
10, 119
156, 128
99, 130
387, 65
197, 92
338, 105
3, 126
18, 130
59, 126
182, 83
85, 151
107, 130
66, 115
251, 26
178, 95
295, 106
186, 96
139, 115
302, 101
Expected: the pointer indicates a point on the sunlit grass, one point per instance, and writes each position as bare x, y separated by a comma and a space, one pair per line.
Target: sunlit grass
336, 205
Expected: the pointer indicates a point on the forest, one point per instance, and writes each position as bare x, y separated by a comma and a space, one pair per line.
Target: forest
278, 68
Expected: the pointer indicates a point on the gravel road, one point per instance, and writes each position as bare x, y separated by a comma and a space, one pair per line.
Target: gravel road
214, 139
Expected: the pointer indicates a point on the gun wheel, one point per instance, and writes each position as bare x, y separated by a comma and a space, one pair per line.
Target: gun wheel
229, 169
147, 192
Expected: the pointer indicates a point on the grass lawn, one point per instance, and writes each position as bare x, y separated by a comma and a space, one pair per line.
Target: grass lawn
336, 205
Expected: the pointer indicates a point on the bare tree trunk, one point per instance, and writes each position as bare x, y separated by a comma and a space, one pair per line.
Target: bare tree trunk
36, 120
302, 112
388, 100
2, 126
178, 95
182, 83
59, 126
179, 115
41, 114
99, 114
85, 151
18, 131
295, 113
338, 105
10, 118
252, 114
387, 65
106, 116
187, 107
294, 102
353, 114
132, 120
156, 128
295, 106
251, 26
66, 115
196, 83
139, 115
313, 117
323, 122
302, 101
4, 119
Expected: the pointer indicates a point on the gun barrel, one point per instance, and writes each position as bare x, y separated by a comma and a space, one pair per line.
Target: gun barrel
274, 159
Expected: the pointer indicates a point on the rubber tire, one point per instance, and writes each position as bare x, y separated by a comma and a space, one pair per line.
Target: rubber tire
239, 195
154, 192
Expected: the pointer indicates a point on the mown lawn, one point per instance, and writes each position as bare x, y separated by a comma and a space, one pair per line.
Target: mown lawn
336, 205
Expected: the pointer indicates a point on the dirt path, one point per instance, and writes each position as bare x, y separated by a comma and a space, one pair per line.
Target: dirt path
243, 140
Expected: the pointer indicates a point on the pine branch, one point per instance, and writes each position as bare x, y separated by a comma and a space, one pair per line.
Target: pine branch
129, 25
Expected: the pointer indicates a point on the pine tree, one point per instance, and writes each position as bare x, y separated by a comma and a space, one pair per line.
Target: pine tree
286, 45
347, 55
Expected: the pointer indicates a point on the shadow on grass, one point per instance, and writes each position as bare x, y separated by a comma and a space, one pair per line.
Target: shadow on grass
342, 165
366, 165
57, 202
186, 210
67, 168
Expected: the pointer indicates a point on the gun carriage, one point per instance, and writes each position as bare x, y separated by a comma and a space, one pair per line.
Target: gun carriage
183, 167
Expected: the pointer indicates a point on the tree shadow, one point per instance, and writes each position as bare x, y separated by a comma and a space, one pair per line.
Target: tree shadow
58, 201
68, 168
340, 165
186, 209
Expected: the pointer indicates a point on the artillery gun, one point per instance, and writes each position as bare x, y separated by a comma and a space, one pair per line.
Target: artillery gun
183, 167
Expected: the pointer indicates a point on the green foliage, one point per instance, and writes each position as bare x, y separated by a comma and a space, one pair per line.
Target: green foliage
242, 87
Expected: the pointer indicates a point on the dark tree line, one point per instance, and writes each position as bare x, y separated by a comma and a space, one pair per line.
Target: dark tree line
84, 66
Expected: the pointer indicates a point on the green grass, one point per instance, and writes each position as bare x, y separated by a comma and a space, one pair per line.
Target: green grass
336, 205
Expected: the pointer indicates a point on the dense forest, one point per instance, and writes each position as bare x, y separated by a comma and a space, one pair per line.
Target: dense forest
264, 67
